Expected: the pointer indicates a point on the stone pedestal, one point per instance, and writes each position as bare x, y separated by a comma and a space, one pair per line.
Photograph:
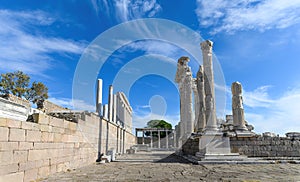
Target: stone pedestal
216, 147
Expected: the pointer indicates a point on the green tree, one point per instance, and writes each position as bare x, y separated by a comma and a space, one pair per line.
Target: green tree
38, 91
17, 83
158, 124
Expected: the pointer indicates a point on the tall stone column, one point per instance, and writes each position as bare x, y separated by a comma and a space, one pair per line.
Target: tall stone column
210, 105
185, 82
114, 108
237, 107
110, 104
196, 105
201, 98
99, 97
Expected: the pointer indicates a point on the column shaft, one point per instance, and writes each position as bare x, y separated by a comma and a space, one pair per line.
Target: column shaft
210, 112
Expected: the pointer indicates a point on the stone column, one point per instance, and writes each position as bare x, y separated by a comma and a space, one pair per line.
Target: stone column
114, 108
201, 96
124, 141
105, 111
110, 103
99, 97
237, 107
159, 139
167, 139
151, 139
117, 139
185, 83
196, 105
210, 105
143, 139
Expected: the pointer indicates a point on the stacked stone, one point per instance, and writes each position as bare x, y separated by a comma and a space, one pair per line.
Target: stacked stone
266, 146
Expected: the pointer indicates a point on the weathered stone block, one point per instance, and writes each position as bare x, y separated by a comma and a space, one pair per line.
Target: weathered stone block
41, 118
25, 145
56, 122
3, 121
46, 128
13, 177
20, 156
16, 134
57, 137
8, 146
6, 157
30, 175
43, 171
58, 130
30, 126
33, 136
45, 137
38, 155
4, 134
11, 123
10, 168
52, 169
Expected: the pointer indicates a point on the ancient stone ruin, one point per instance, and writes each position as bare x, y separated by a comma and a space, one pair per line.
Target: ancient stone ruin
198, 132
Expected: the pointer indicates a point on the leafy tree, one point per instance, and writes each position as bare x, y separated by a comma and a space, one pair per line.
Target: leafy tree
14, 83
38, 91
158, 124
17, 83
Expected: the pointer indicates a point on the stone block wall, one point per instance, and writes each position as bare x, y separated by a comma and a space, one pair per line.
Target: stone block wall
29, 151
257, 146
260, 146
191, 146
51, 107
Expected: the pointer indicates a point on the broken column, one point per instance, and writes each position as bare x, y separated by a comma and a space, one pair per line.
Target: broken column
110, 103
239, 122
185, 83
210, 105
201, 123
99, 97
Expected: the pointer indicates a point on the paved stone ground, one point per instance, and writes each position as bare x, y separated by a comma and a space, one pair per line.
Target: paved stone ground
165, 166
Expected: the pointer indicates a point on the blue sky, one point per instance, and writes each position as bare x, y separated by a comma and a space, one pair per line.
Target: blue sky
256, 42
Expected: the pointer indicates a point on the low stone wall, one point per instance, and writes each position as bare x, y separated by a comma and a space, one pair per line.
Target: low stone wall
266, 146
51, 107
257, 146
29, 151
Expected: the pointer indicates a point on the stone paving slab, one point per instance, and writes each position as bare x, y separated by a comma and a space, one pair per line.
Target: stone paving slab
160, 166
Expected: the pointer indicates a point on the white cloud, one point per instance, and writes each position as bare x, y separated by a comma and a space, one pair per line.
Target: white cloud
72, 104
26, 50
156, 47
234, 15
278, 115
258, 98
125, 10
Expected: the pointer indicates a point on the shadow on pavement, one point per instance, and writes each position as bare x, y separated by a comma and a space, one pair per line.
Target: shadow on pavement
173, 158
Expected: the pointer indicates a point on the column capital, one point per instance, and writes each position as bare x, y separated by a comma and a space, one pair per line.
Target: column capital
206, 46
